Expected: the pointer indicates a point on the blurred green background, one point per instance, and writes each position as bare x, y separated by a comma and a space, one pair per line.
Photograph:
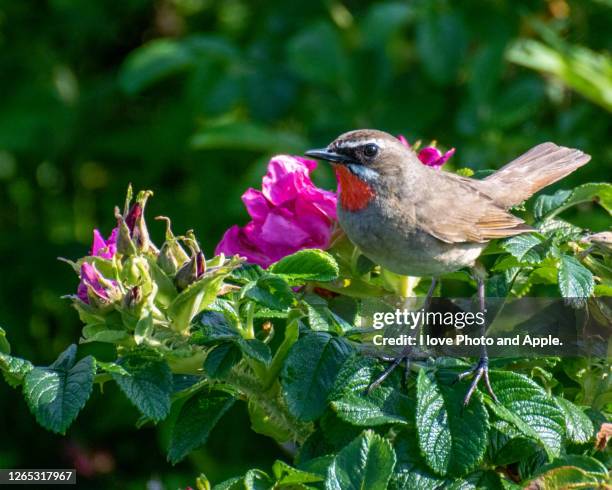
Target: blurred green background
191, 97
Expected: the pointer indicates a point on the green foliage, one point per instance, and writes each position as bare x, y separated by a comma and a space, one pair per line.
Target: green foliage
195, 421
56, 394
147, 384
453, 440
367, 462
195, 339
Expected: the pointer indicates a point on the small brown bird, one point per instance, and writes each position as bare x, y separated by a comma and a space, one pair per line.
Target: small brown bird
419, 221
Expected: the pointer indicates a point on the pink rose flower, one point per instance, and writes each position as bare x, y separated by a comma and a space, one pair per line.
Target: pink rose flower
91, 279
104, 248
289, 214
430, 155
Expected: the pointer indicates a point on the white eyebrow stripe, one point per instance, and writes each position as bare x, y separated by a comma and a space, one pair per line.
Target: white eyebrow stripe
353, 144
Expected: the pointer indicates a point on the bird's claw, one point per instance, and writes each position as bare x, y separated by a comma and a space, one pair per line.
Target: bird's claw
396, 362
480, 371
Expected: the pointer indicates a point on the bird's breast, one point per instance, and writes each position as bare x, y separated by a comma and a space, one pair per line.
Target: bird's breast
355, 194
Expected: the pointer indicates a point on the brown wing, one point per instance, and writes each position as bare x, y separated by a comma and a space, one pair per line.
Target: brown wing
455, 211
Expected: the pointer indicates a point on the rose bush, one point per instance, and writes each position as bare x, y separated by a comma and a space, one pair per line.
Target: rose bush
275, 322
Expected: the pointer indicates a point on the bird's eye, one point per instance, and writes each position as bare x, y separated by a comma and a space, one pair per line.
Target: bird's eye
370, 150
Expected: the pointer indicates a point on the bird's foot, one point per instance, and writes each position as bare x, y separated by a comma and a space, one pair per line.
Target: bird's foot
480, 371
394, 363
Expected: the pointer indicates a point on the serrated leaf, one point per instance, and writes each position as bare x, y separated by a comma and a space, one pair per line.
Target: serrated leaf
236, 483
307, 265
210, 327
411, 471
529, 408
271, 291
247, 273
14, 369
195, 421
573, 471
256, 350
552, 205
56, 394
452, 438
525, 248
578, 425
310, 371
367, 462
352, 403
221, 359
148, 384
546, 203
575, 280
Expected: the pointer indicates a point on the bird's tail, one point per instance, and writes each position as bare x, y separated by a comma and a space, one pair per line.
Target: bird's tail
539, 167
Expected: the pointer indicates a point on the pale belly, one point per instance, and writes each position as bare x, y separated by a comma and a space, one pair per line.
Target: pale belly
403, 250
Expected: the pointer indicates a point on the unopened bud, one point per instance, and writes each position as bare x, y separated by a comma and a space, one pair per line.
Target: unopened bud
186, 274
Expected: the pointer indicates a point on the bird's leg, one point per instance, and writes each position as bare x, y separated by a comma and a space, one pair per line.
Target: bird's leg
481, 369
406, 351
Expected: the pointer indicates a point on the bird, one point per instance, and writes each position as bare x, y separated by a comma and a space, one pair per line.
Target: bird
420, 221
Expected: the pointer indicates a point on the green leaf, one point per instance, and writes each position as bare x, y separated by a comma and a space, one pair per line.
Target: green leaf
14, 369
196, 419
210, 327
367, 462
221, 359
236, 483
352, 403
411, 471
148, 384
529, 408
578, 425
307, 265
56, 394
310, 371
525, 248
270, 291
452, 438
575, 280
258, 480
549, 206
573, 471
256, 350
546, 203
287, 475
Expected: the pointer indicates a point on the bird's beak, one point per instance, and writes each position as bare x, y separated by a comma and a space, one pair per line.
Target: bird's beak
330, 156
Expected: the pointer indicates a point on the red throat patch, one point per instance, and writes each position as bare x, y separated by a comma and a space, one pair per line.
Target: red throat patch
355, 194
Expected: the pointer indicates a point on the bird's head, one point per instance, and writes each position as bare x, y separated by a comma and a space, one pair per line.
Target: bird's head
365, 161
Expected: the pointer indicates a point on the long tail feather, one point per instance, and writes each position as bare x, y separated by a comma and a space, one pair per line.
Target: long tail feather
539, 167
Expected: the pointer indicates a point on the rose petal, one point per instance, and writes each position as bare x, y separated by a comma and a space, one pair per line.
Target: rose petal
278, 230
256, 204
432, 157
286, 177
